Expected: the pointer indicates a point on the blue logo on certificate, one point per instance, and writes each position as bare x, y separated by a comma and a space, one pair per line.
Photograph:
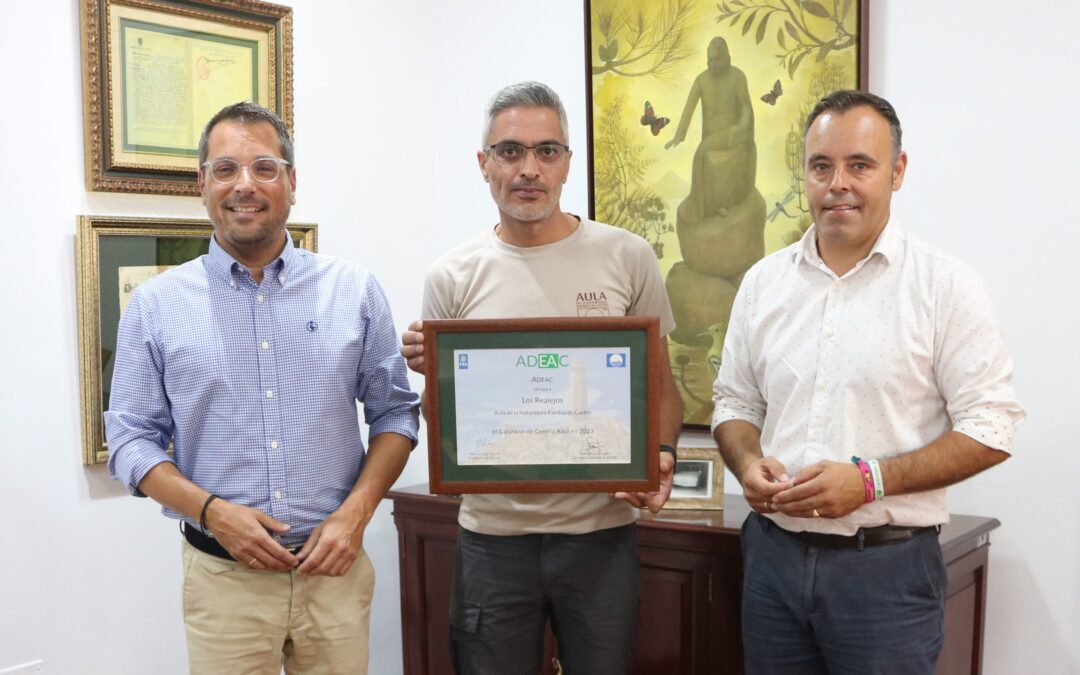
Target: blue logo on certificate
616, 360
463, 361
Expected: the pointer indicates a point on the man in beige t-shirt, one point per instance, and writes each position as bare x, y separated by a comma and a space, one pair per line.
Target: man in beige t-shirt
569, 558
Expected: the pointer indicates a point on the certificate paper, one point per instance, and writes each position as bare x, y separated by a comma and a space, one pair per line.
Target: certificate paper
569, 405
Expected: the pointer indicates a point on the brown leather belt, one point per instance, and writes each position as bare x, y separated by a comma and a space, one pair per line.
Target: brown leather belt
866, 536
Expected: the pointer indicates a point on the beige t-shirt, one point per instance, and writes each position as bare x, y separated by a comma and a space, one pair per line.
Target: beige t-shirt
598, 270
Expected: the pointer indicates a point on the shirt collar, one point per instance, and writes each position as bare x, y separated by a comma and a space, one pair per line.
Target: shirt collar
225, 266
889, 245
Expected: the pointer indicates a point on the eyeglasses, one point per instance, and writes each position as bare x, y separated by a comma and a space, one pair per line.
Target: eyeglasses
509, 152
263, 169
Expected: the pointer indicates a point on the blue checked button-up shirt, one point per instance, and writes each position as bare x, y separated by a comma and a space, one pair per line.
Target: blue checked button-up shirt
256, 385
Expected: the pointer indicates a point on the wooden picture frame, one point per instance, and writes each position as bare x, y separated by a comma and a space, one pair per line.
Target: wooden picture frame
698, 482
711, 196
155, 72
546, 405
108, 248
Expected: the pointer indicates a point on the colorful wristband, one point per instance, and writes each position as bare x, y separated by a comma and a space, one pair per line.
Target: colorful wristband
879, 482
667, 448
868, 478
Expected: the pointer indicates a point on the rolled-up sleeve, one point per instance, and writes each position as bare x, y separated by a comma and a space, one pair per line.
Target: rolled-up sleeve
736, 392
382, 386
138, 423
973, 368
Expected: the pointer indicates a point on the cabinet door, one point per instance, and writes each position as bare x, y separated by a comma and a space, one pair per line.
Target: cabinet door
427, 563
673, 621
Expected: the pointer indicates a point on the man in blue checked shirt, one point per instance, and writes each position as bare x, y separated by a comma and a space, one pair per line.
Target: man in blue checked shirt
250, 360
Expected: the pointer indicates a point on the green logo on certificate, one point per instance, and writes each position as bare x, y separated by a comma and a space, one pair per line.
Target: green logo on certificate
542, 361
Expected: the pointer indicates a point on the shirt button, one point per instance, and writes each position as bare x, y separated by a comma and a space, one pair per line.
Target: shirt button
260, 298
281, 278
265, 344
277, 494
269, 393
232, 283
273, 445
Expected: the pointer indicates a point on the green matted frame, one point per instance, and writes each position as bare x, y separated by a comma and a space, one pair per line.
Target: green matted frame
184, 61
105, 245
638, 335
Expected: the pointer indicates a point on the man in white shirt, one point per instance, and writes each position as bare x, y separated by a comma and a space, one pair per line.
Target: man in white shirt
527, 559
862, 374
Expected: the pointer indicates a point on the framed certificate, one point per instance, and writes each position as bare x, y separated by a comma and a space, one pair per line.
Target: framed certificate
542, 405
113, 255
155, 72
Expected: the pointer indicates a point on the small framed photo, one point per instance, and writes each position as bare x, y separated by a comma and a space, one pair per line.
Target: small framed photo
542, 405
114, 255
699, 480
155, 72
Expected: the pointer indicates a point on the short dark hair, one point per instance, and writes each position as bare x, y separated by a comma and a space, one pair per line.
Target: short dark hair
247, 112
846, 99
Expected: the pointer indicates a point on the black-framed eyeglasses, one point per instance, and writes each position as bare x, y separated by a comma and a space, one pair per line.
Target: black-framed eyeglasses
509, 152
263, 169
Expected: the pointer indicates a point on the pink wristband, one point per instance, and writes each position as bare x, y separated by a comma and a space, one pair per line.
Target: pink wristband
868, 478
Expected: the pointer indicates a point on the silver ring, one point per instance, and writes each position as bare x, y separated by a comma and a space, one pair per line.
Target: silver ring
255, 560
816, 514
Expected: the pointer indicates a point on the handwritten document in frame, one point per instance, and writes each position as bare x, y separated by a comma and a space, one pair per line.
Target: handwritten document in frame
173, 75
156, 71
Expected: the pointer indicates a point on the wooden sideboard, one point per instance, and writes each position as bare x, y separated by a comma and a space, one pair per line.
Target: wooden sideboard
691, 587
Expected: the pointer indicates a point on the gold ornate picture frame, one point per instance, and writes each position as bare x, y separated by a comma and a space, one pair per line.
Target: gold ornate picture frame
112, 256
155, 72
699, 480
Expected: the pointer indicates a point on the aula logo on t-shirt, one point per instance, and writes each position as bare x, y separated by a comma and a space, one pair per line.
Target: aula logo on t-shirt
592, 303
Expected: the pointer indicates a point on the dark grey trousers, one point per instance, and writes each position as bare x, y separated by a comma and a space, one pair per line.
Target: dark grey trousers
507, 587
809, 610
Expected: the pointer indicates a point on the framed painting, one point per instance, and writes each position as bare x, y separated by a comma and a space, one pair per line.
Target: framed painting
113, 256
155, 72
542, 405
698, 482
695, 114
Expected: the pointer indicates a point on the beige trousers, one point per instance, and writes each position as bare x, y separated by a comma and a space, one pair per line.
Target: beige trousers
240, 621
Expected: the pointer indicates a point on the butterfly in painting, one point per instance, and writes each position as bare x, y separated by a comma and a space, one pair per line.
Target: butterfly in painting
771, 96
649, 119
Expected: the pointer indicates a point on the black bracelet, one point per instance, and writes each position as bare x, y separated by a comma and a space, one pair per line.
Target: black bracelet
667, 448
202, 515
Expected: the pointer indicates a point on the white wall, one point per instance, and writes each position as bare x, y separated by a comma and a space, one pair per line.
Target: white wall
388, 103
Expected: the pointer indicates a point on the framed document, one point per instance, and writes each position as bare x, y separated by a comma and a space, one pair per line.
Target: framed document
542, 405
155, 72
112, 256
695, 119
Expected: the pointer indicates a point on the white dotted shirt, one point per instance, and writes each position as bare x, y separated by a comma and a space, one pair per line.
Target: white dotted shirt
900, 350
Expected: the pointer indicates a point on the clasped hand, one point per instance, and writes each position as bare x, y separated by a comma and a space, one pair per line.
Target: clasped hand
330, 550
826, 489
